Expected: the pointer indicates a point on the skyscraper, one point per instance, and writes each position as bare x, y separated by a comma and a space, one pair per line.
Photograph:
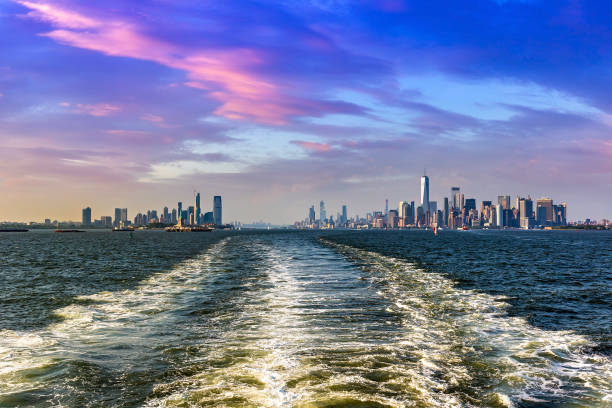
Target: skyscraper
504, 201
344, 214
311, 215
191, 214
562, 213
456, 198
386, 206
322, 214
425, 194
470, 204
217, 210
180, 211
446, 211
540, 215
547, 204
198, 210
166, 215
526, 211
117, 220
86, 218
209, 218
404, 213
433, 207
124, 216
433, 212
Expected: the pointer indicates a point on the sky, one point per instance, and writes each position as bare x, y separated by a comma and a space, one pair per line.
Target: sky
276, 105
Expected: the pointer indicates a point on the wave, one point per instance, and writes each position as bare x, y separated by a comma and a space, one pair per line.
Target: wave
468, 343
284, 322
109, 329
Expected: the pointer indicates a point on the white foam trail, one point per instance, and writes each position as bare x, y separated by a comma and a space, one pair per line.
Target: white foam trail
100, 322
290, 359
447, 324
393, 335
269, 338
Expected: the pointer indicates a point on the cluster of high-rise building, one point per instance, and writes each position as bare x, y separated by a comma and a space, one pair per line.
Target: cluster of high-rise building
456, 211
323, 221
191, 215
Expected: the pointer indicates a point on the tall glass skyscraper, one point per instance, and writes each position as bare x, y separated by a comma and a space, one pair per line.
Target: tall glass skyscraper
217, 210
425, 194
456, 198
198, 210
322, 213
117, 217
86, 218
504, 202
445, 211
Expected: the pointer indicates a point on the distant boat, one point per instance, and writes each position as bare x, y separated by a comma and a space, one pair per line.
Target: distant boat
122, 229
68, 230
13, 230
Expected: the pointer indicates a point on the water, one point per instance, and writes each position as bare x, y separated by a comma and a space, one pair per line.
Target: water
306, 319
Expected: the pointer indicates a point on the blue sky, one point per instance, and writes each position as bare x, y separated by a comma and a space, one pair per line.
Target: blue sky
277, 105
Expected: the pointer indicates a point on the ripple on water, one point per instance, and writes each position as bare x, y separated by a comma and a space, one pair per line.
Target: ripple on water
282, 321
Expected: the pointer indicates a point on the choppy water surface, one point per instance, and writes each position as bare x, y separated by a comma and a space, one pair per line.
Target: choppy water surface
299, 319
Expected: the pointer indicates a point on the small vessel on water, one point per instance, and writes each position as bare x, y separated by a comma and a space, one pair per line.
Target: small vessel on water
69, 230
13, 230
123, 229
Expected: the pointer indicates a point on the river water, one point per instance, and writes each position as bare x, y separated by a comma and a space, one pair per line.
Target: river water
306, 319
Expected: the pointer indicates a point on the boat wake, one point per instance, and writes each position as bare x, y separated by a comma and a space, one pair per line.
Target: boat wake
466, 343
286, 321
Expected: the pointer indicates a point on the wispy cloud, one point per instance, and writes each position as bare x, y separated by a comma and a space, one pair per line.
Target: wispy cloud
99, 109
286, 101
313, 146
229, 75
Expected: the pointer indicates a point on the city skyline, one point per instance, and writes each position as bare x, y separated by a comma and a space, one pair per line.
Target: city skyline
340, 207
456, 211
272, 105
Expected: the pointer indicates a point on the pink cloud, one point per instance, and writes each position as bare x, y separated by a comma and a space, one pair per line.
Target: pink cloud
100, 109
152, 118
58, 16
313, 146
225, 74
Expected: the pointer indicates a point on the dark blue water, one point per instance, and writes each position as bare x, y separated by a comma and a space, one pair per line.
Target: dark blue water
306, 319
557, 280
